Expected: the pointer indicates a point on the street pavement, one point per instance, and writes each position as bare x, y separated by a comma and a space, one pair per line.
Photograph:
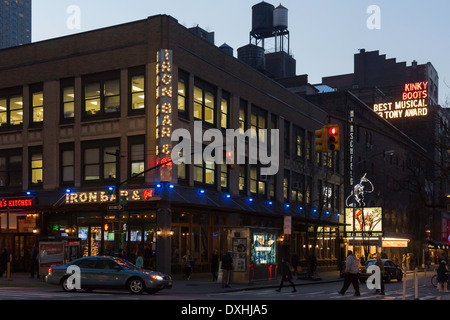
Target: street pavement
201, 283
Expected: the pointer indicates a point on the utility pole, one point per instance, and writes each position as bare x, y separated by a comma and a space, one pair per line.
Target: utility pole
117, 206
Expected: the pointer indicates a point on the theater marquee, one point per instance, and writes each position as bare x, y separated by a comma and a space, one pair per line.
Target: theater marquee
414, 103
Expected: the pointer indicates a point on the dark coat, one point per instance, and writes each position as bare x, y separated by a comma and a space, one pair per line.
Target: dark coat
442, 272
227, 262
286, 273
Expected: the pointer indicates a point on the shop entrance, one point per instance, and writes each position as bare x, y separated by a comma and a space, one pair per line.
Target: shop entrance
21, 254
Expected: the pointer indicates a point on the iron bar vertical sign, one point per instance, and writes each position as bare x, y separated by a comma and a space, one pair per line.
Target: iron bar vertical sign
164, 113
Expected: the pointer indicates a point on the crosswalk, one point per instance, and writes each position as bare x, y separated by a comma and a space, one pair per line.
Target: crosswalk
322, 295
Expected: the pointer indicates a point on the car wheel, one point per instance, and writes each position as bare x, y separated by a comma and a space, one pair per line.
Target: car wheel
400, 278
64, 285
136, 286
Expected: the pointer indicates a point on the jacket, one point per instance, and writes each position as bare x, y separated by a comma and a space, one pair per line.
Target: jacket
351, 265
442, 272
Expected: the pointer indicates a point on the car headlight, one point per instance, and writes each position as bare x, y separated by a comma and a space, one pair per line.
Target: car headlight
156, 277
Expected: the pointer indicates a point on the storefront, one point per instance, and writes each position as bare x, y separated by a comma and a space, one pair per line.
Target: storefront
18, 230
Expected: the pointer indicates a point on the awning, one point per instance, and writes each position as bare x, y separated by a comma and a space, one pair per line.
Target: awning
435, 245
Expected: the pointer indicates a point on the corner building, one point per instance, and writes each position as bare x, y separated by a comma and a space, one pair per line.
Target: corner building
68, 104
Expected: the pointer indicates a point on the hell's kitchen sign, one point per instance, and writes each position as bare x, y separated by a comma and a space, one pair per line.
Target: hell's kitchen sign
366, 220
414, 103
15, 203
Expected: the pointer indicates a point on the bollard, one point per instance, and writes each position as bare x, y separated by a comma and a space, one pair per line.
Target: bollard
416, 284
404, 285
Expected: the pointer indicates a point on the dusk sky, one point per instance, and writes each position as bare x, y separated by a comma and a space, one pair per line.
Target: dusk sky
325, 34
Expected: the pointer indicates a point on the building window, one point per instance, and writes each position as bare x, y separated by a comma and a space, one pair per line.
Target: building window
297, 190
11, 111
224, 175
243, 117
224, 110
287, 139
37, 105
11, 168
99, 163
183, 89
242, 178
286, 186
37, 167
67, 164
204, 173
101, 97
257, 182
68, 102
258, 121
204, 102
309, 141
136, 156
299, 136
137, 90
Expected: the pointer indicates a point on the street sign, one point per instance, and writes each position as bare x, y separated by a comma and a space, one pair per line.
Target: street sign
115, 207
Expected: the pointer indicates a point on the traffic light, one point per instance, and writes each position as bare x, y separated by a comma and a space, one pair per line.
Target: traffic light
333, 138
321, 136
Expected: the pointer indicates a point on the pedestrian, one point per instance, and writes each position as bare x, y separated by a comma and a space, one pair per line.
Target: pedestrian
442, 276
380, 265
215, 265
395, 259
408, 261
188, 262
3, 261
139, 260
286, 275
404, 262
34, 262
351, 274
227, 267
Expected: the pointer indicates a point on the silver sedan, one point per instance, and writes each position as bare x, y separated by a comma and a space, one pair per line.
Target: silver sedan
108, 273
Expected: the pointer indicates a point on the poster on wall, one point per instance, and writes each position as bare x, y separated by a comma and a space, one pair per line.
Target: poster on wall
263, 248
239, 246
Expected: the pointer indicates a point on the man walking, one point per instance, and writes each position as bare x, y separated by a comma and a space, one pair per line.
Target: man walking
351, 274
227, 266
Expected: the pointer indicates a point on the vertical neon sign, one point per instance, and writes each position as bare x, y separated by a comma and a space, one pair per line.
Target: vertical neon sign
164, 112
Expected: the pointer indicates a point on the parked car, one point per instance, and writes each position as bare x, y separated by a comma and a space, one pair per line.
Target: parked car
391, 271
110, 273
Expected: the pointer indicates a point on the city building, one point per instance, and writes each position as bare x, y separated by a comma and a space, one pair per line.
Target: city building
15, 23
86, 128
407, 97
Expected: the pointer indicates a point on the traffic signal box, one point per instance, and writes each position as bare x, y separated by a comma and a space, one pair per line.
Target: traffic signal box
327, 139
321, 143
333, 138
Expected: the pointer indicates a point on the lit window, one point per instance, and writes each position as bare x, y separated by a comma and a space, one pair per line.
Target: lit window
138, 92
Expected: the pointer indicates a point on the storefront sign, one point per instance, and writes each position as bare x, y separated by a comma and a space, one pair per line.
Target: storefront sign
16, 203
400, 243
103, 196
413, 103
366, 219
164, 112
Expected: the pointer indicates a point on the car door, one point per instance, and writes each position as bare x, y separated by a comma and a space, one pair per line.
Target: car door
110, 274
87, 272
390, 268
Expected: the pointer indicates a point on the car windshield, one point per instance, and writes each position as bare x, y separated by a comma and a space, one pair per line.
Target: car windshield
125, 263
370, 263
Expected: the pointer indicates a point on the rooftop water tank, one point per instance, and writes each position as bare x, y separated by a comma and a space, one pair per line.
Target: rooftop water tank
262, 18
253, 56
280, 18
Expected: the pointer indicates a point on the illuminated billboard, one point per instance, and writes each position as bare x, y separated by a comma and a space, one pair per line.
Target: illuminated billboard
366, 219
414, 103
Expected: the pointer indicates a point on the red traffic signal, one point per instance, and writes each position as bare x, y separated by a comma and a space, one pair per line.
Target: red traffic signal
333, 138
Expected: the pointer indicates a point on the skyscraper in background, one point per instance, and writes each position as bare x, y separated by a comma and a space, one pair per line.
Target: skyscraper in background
15, 23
